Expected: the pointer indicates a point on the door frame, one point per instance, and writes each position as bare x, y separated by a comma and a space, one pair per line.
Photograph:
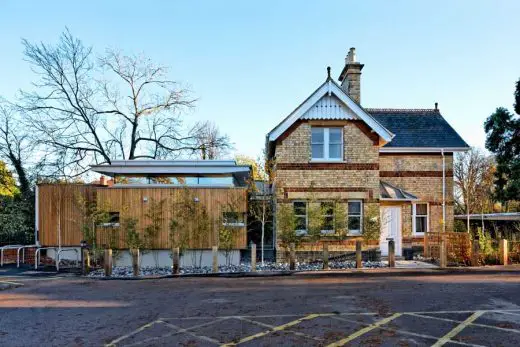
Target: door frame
399, 239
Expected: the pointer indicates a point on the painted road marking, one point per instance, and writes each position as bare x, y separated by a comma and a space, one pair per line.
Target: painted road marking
365, 330
367, 327
446, 338
136, 331
405, 332
272, 327
278, 328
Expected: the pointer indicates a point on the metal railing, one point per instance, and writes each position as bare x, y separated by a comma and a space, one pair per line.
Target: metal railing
22, 248
4, 248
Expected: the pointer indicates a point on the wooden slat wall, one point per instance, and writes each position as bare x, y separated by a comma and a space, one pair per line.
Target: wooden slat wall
129, 202
61, 202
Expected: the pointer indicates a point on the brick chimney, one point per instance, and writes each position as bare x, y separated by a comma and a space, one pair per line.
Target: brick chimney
350, 77
102, 180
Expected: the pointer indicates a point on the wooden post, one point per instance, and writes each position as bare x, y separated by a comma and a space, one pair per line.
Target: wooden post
176, 255
135, 261
504, 252
475, 253
108, 262
426, 250
85, 261
253, 257
292, 256
443, 257
359, 256
214, 250
325, 256
391, 253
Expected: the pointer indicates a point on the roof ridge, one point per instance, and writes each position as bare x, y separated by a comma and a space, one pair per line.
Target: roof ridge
401, 109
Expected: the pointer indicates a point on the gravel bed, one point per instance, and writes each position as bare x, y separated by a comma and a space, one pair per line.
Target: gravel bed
148, 271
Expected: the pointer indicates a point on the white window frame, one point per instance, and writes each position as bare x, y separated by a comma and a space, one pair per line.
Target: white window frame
414, 215
300, 232
360, 231
326, 144
333, 215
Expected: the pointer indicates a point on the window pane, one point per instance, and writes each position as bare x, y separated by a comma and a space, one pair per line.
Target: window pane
354, 208
317, 151
301, 223
420, 224
327, 208
335, 151
300, 208
335, 135
328, 223
317, 135
421, 209
231, 217
354, 223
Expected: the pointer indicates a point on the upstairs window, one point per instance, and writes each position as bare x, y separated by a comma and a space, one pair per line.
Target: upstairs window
420, 218
327, 144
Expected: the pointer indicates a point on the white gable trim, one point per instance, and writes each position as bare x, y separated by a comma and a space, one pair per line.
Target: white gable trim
329, 87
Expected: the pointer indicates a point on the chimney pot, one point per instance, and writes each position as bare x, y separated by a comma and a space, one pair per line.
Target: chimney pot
436, 106
351, 76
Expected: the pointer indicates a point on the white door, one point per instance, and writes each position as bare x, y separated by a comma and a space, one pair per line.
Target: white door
390, 228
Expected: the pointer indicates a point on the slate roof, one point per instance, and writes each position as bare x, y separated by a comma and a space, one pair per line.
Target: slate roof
417, 128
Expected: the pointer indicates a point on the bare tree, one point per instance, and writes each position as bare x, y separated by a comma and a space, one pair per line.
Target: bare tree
16, 147
473, 179
212, 144
91, 111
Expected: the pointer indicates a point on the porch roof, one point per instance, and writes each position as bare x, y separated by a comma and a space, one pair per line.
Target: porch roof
389, 192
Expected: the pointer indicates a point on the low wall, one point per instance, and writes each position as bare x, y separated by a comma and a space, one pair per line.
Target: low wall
161, 258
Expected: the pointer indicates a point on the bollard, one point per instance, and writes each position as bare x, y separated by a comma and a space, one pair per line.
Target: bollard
108, 262
443, 260
359, 257
214, 250
504, 252
176, 255
475, 253
325, 256
292, 257
391, 253
253, 257
135, 261
85, 261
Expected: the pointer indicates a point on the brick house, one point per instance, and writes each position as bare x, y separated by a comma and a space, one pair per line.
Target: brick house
397, 162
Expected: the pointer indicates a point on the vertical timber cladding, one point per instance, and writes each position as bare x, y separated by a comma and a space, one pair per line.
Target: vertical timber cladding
60, 213
60, 210
135, 202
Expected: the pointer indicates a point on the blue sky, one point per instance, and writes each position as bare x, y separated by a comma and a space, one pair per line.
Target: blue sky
251, 63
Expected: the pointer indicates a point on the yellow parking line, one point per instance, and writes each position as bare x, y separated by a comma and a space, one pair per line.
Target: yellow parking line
138, 330
297, 333
365, 330
278, 328
446, 338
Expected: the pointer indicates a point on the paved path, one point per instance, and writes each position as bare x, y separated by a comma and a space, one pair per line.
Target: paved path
476, 308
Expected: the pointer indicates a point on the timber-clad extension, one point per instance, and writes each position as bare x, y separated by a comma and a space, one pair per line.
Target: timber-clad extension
128, 202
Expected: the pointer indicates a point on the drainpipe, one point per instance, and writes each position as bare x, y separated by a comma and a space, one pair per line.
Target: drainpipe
443, 191
36, 214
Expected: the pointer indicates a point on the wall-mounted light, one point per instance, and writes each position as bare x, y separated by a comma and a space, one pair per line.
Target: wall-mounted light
145, 199
196, 199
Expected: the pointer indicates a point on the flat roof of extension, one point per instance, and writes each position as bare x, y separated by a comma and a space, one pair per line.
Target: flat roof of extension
179, 167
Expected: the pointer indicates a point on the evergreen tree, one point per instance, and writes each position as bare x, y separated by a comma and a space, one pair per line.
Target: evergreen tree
503, 139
